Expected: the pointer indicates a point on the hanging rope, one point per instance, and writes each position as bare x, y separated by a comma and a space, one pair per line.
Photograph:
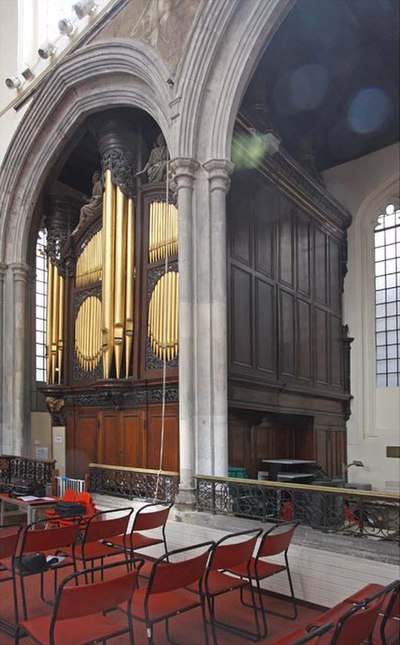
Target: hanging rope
165, 313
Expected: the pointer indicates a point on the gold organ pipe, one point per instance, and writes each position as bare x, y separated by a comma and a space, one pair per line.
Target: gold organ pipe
151, 233
130, 283
119, 279
108, 274
167, 314
176, 330
49, 318
60, 343
54, 330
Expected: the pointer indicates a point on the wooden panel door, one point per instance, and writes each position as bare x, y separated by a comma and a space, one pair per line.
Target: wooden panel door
108, 443
170, 460
81, 442
132, 439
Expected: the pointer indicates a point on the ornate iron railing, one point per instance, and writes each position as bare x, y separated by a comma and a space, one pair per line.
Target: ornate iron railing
12, 468
329, 509
150, 485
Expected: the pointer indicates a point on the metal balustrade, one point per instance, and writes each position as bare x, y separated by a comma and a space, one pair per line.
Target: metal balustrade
61, 483
14, 467
328, 509
142, 483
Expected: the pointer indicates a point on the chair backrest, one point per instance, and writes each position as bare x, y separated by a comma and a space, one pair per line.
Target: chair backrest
151, 516
69, 495
9, 536
77, 600
233, 550
52, 537
313, 636
277, 539
358, 623
168, 575
107, 524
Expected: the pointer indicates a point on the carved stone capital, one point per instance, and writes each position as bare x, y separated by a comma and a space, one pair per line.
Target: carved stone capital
20, 272
218, 173
184, 171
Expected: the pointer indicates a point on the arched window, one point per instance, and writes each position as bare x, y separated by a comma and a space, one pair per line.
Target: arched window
387, 298
41, 306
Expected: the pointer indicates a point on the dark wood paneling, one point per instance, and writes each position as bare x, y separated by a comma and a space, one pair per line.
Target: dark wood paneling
241, 320
285, 242
303, 340
320, 266
264, 233
321, 345
287, 334
303, 256
241, 233
334, 275
265, 327
335, 334
108, 445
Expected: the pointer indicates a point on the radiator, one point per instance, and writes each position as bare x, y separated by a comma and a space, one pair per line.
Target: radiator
78, 485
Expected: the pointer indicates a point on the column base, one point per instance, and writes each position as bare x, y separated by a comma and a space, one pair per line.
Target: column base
185, 500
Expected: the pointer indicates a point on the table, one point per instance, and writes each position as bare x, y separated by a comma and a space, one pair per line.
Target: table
277, 466
29, 506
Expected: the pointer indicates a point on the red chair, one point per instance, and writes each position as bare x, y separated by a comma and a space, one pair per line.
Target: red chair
151, 517
9, 537
357, 624
166, 594
231, 551
51, 541
302, 636
104, 535
79, 611
274, 541
390, 612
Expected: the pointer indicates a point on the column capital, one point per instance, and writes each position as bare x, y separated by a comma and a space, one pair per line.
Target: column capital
20, 272
218, 173
3, 271
183, 170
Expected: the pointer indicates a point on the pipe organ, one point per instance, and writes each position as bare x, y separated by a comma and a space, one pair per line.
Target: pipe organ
112, 319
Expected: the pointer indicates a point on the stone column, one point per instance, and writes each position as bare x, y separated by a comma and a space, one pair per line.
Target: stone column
20, 401
3, 269
218, 177
184, 174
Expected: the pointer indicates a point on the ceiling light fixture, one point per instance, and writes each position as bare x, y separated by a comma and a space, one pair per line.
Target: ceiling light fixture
65, 27
84, 8
15, 82
47, 49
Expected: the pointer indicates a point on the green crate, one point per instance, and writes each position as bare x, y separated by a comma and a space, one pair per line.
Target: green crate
235, 471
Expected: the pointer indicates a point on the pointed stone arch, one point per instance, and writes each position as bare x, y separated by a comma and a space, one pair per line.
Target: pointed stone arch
117, 73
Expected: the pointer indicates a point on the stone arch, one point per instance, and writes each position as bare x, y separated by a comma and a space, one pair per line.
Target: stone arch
224, 48
105, 74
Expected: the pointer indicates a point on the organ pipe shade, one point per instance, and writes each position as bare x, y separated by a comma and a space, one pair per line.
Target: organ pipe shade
117, 280
163, 231
88, 339
54, 324
163, 317
89, 264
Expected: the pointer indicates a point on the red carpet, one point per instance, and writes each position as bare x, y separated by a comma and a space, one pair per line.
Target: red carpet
185, 629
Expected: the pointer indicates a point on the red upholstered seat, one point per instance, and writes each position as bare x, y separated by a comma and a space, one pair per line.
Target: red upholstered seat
166, 594
9, 536
78, 612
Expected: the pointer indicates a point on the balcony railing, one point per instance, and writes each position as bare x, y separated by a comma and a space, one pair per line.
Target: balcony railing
146, 484
13, 468
329, 509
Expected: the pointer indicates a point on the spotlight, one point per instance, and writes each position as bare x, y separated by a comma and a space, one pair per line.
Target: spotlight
84, 8
15, 82
28, 74
47, 49
65, 27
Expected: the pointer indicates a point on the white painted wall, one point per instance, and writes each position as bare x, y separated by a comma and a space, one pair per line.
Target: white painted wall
366, 186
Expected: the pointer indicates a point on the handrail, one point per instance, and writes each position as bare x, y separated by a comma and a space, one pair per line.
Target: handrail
151, 471
310, 487
124, 481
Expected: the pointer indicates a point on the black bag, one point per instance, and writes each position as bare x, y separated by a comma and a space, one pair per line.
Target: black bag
65, 509
32, 563
24, 487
